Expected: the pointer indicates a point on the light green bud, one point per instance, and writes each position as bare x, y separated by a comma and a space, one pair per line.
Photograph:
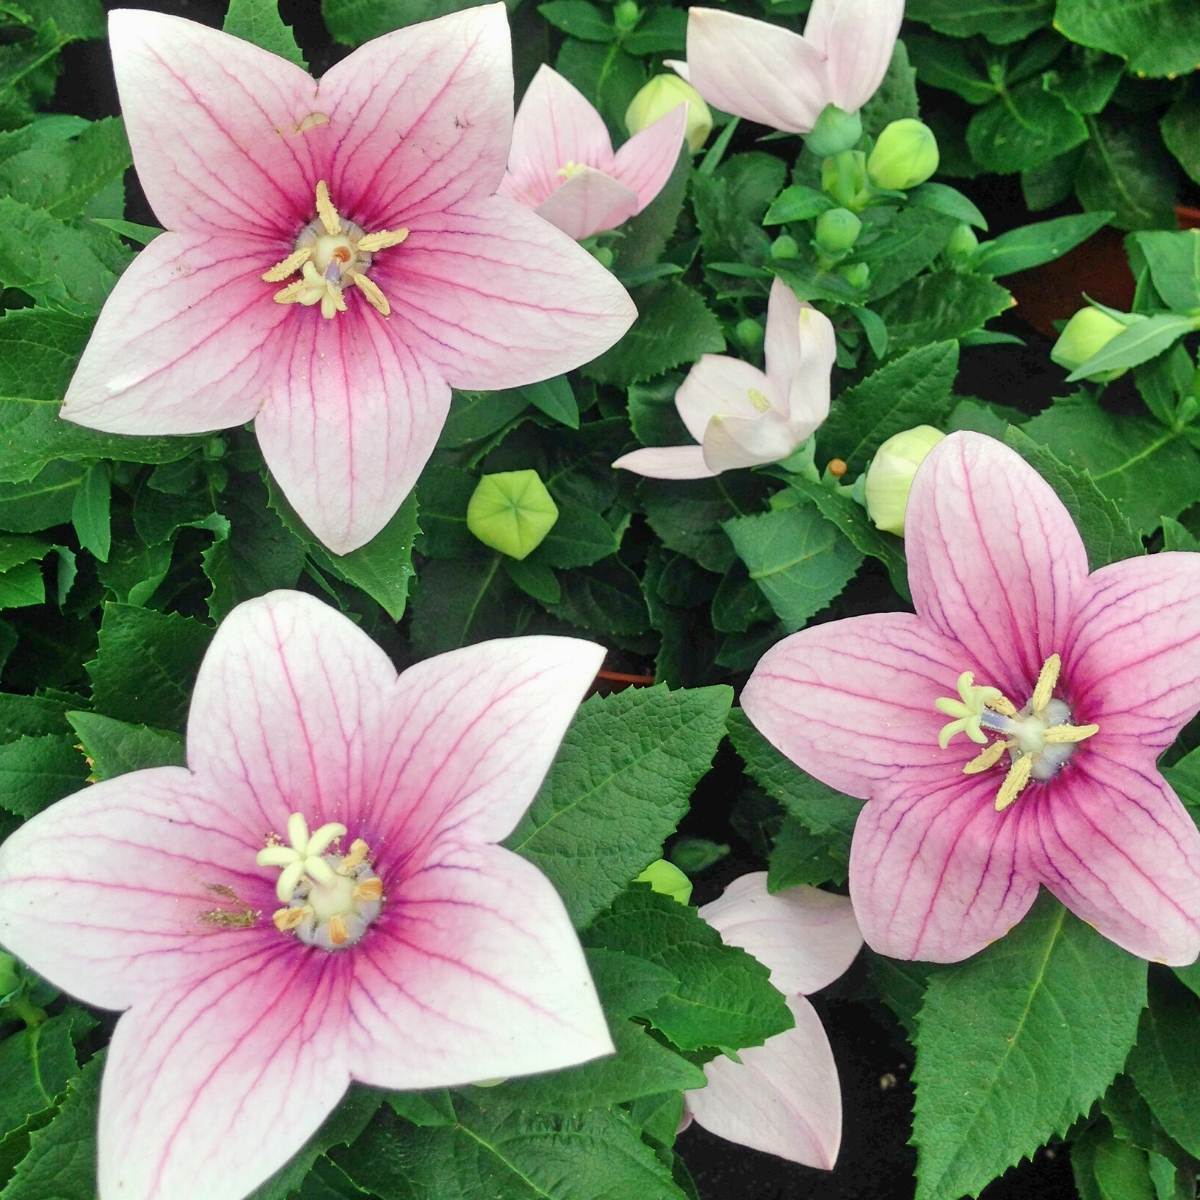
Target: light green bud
749, 334
667, 879
1085, 334
626, 15
603, 255
857, 275
844, 177
837, 230
511, 512
664, 94
890, 475
905, 155
836, 130
962, 244
785, 246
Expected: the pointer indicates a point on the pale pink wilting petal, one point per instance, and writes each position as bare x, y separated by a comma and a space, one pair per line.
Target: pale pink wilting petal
589, 202
718, 385
783, 1097
805, 937
732, 442
666, 462
646, 161
782, 351
475, 974
808, 394
857, 38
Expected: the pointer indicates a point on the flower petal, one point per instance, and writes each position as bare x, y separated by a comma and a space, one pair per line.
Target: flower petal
292, 711
800, 348
555, 125
1133, 655
994, 559
646, 161
589, 202
178, 347
213, 1086
857, 38
936, 873
807, 938
472, 972
666, 462
783, 1097
217, 126
106, 892
852, 702
720, 386
497, 297
1114, 844
352, 418
475, 731
755, 70
732, 442
422, 117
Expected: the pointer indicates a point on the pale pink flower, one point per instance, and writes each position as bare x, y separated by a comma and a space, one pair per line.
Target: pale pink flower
778, 78
741, 416
318, 897
1069, 686
783, 1097
562, 163
336, 260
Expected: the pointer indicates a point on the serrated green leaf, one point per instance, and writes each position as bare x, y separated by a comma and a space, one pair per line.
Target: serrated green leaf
579, 538
35, 771
1024, 127
36, 1065
797, 203
645, 237
91, 511
580, 19
1157, 37
38, 503
688, 517
941, 305
555, 398
948, 201
1001, 21
604, 599
117, 747
1174, 261
1126, 171
1109, 1168
21, 715
896, 96
459, 602
1031, 245
904, 247
605, 74
258, 21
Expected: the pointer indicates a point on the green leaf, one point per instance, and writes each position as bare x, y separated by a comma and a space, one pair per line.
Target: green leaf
942, 63
258, 21
688, 517
42, 501
580, 537
1047, 1014
37, 771
1179, 129
940, 306
22, 586
1023, 128
355, 21
948, 201
1126, 171
117, 747
90, 512
555, 398
1001, 21
910, 390
1032, 245
458, 602
896, 96
535, 579
905, 246
660, 31
580, 19
1146, 338
1109, 1168
477, 415
797, 203
21, 715
618, 788
605, 74
605, 599
36, 1065
1174, 261
645, 237
74, 19
730, 203
1158, 37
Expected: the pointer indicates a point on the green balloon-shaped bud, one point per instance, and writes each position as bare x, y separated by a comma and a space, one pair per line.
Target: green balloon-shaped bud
905, 155
667, 879
749, 334
626, 15
1085, 334
837, 230
857, 275
664, 94
844, 177
963, 243
836, 130
890, 475
785, 246
511, 512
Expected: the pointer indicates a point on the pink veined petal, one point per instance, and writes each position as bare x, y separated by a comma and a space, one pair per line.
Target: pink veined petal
420, 118
857, 38
555, 125
352, 418
1112, 841
473, 734
852, 702
497, 297
994, 559
807, 938
292, 711
1133, 654
109, 893
179, 346
589, 202
212, 1086
733, 442
936, 873
217, 126
755, 70
718, 385
646, 161
473, 971
666, 462
783, 1097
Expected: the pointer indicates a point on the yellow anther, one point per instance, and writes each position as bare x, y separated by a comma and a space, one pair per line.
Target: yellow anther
571, 168
1043, 691
382, 239
1060, 734
356, 857
986, 758
1002, 705
328, 215
338, 933
369, 889
1014, 782
286, 919
370, 289
289, 266
760, 402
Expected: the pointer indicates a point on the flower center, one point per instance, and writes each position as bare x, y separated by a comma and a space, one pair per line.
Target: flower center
329, 899
571, 168
1038, 738
331, 253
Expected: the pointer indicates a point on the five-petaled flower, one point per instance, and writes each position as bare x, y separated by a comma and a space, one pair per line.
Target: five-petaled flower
744, 417
562, 163
783, 1096
778, 78
1061, 689
336, 259
317, 897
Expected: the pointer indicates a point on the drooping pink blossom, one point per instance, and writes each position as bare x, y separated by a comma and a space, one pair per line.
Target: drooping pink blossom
317, 897
783, 1097
1062, 690
767, 74
336, 259
562, 163
744, 417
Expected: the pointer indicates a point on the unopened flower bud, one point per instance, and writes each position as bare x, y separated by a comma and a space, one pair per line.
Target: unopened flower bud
890, 475
785, 246
667, 879
511, 512
626, 15
962, 244
749, 334
663, 94
837, 230
857, 275
836, 130
905, 155
1085, 334
844, 177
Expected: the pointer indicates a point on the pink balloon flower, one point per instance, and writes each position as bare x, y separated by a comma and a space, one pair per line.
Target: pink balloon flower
783, 1097
1061, 689
336, 259
778, 78
562, 163
317, 897
741, 416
